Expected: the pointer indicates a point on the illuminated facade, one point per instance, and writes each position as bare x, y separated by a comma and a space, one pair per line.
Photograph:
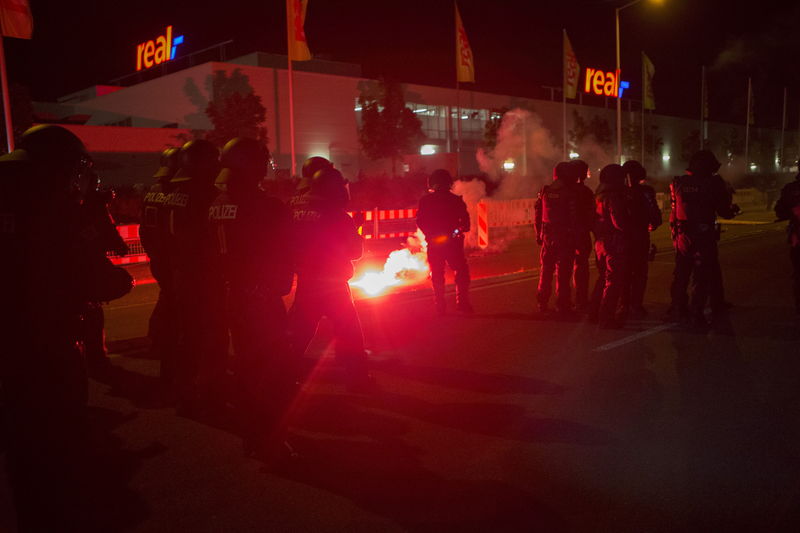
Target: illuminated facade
327, 115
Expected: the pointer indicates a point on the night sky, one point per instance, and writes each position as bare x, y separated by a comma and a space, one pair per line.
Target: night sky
517, 44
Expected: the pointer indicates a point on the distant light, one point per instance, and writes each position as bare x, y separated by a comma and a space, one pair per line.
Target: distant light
464, 117
508, 164
357, 108
420, 111
427, 149
665, 158
574, 155
406, 167
753, 167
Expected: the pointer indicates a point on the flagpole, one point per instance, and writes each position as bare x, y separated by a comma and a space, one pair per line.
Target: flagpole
291, 114
783, 127
747, 129
702, 106
458, 125
644, 96
564, 88
6, 98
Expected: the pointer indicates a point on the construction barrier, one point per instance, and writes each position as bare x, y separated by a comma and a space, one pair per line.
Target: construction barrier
136, 253
502, 214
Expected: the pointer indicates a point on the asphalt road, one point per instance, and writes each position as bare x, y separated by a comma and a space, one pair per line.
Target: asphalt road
502, 421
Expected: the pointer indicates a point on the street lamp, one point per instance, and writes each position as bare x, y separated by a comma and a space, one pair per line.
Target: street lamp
619, 73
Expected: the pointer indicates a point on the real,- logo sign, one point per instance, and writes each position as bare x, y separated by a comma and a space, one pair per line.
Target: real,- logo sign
604, 83
161, 50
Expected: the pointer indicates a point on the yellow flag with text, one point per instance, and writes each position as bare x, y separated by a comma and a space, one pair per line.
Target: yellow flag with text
648, 72
295, 28
571, 69
16, 19
465, 62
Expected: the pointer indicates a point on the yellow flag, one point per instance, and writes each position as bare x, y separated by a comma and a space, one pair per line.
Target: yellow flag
571, 69
465, 62
16, 19
295, 21
648, 72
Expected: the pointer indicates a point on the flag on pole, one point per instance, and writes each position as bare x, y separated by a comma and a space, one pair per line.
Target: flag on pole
571, 69
648, 72
465, 62
295, 22
751, 105
16, 19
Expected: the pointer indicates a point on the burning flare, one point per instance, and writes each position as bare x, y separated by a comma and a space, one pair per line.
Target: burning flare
405, 266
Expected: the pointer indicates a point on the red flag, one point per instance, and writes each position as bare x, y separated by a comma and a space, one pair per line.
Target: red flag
295, 26
465, 63
16, 19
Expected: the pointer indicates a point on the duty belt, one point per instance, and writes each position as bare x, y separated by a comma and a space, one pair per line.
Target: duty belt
685, 226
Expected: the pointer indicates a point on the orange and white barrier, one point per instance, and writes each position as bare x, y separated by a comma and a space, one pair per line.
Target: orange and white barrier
136, 254
483, 224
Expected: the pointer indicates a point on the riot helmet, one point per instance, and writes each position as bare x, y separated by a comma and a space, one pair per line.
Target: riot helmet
60, 153
311, 166
329, 185
564, 171
244, 161
635, 171
440, 180
704, 163
612, 174
199, 160
168, 164
581, 169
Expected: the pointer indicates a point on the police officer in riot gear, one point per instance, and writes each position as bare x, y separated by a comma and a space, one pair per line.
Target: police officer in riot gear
645, 217
251, 234
200, 364
788, 208
583, 241
102, 236
42, 371
154, 235
326, 242
610, 231
443, 218
697, 198
557, 231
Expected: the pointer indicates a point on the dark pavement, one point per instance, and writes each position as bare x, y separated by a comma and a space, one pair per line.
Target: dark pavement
502, 421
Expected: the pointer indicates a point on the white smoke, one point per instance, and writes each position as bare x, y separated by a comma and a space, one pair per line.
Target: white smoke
522, 140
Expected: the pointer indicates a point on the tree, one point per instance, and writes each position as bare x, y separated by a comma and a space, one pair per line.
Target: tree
21, 112
632, 142
732, 145
596, 129
690, 145
388, 128
234, 109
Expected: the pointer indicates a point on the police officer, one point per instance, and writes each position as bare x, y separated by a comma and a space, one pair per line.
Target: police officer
788, 208
200, 365
557, 230
251, 234
645, 217
443, 218
154, 235
42, 372
610, 231
102, 236
583, 241
326, 242
697, 198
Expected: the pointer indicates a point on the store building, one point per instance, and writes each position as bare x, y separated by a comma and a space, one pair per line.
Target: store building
126, 125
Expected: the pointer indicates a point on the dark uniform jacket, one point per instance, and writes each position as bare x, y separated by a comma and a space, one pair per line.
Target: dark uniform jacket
187, 225
645, 213
788, 208
697, 200
440, 214
612, 212
556, 211
326, 240
154, 229
251, 232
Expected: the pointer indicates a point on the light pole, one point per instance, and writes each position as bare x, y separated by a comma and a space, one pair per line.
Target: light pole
619, 74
